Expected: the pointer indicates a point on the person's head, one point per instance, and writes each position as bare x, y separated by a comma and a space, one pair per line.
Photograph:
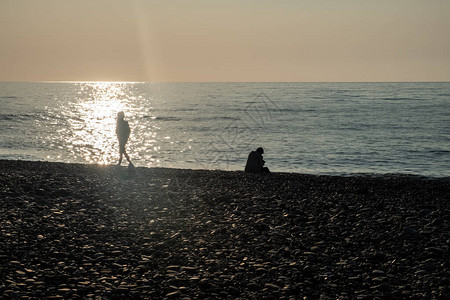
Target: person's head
260, 150
120, 115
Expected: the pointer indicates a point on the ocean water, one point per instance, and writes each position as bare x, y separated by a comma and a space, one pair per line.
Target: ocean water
315, 128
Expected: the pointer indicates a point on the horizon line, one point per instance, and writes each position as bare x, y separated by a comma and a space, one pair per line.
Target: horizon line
126, 82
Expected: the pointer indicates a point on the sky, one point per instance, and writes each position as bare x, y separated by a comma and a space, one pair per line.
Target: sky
225, 40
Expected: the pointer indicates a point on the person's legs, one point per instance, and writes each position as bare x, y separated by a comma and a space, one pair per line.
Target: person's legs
121, 152
128, 158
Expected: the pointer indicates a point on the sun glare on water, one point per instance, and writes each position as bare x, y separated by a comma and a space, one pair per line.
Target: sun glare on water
94, 121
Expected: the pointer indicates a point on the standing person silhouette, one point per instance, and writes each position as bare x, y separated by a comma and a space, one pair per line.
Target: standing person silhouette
123, 133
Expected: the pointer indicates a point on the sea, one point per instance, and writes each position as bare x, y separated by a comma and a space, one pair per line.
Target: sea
311, 128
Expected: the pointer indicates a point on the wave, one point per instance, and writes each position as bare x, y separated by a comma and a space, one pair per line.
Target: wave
396, 98
440, 152
167, 118
293, 110
17, 117
27, 117
229, 118
214, 119
20, 157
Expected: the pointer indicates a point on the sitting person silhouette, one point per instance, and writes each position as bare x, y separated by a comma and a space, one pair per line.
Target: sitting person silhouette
255, 162
123, 133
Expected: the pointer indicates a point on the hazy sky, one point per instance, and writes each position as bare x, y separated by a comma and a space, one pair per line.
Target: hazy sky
225, 40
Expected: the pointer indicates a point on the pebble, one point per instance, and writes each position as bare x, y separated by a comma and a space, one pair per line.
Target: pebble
435, 250
272, 286
106, 234
378, 273
421, 272
173, 294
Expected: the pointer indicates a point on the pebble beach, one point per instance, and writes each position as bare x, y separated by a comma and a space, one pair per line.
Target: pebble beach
74, 231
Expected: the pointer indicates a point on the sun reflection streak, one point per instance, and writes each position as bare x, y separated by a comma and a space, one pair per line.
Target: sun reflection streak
93, 130
82, 124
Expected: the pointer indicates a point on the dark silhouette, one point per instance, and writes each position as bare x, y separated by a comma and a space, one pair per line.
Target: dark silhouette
255, 162
123, 133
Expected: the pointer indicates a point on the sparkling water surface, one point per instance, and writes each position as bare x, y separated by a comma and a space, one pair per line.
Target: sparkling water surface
316, 128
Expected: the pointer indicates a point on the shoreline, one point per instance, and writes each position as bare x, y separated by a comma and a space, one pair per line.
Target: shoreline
329, 174
81, 231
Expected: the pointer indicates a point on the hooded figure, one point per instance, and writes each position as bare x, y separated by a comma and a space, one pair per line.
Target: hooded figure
255, 162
